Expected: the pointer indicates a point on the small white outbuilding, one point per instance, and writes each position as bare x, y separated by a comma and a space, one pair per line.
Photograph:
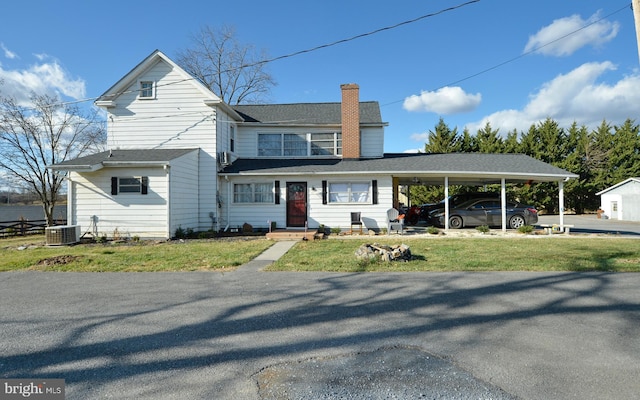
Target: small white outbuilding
622, 201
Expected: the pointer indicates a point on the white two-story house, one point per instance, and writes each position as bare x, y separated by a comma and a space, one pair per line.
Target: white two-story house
180, 158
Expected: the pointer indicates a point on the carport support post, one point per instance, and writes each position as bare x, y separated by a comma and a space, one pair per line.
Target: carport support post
503, 203
446, 203
561, 203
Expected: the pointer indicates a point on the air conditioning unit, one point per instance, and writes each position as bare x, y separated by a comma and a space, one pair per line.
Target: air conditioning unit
61, 235
223, 158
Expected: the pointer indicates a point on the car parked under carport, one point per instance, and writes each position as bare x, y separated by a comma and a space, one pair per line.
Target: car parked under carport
486, 211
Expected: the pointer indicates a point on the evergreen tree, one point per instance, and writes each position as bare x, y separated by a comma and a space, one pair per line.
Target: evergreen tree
468, 143
488, 140
443, 139
624, 156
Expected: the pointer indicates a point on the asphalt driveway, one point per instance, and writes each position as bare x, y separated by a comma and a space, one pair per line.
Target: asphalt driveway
202, 335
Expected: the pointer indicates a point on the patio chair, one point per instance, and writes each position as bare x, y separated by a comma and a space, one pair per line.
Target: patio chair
356, 221
393, 222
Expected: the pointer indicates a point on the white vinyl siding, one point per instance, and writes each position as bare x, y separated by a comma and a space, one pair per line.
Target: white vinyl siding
177, 118
133, 214
374, 216
129, 214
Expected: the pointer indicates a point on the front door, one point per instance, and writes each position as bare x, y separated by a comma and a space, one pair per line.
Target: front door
296, 204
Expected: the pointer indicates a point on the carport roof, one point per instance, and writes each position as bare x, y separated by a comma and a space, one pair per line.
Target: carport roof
460, 168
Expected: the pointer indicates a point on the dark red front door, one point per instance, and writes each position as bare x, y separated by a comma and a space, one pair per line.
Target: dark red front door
296, 204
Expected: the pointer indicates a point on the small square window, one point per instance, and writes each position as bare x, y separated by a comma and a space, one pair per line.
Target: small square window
147, 90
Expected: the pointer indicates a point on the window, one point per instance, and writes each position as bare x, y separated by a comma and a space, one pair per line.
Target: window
349, 192
147, 90
299, 144
294, 145
269, 145
129, 185
323, 144
253, 192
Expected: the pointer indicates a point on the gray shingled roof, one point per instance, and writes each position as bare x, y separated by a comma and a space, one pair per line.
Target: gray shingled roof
306, 113
428, 168
115, 157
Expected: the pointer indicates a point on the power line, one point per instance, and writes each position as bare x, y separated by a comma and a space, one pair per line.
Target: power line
297, 53
496, 66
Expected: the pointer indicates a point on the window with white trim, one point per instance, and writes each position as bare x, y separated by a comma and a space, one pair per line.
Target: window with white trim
253, 192
299, 144
349, 192
147, 90
120, 185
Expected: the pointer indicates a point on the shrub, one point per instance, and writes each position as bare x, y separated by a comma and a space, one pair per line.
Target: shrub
483, 229
433, 230
336, 230
526, 229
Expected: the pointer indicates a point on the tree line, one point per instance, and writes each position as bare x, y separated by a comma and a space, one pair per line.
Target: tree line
601, 157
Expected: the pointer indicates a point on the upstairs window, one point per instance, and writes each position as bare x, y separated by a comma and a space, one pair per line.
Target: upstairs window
147, 90
299, 144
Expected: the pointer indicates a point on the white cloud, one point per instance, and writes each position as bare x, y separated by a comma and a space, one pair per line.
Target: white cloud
8, 53
420, 137
565, 36
47, 77
447, 100
577, 96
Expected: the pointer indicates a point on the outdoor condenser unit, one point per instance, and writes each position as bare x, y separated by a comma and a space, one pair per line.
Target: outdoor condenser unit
61, 235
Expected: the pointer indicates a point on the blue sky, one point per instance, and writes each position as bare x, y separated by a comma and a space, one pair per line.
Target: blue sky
480, 62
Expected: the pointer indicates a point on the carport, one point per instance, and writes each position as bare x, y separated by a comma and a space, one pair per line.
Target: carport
478, 169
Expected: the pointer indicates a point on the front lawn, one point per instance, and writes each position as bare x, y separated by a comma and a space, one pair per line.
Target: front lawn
526, 253
191, 255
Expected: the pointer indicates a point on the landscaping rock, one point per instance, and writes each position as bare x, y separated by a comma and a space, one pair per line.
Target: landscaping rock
399, 252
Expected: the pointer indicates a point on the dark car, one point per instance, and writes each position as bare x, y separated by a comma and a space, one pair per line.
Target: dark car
486, 211
458, 199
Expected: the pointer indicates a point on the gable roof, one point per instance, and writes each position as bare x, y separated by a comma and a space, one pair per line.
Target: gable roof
121, 158
461, 168
123, 85
637, 180
307, 113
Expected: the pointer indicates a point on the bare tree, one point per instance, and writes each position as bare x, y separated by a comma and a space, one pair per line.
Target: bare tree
233, 71
45, 133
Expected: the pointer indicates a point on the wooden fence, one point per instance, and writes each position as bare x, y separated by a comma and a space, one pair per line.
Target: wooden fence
25, 227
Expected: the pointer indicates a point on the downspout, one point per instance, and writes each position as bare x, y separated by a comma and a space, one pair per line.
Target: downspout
70, 201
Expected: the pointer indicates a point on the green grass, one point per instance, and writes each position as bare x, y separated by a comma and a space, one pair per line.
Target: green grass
190, 255
472, 254
527, 253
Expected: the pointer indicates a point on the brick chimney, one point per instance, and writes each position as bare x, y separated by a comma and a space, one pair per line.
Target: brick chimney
350, 121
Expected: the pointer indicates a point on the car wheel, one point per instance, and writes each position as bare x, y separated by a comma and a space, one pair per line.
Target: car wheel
455, 222
516, 221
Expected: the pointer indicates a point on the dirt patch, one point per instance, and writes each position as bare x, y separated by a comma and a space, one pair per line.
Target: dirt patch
57, 260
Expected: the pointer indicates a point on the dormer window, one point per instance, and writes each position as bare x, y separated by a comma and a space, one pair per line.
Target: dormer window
147, 90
